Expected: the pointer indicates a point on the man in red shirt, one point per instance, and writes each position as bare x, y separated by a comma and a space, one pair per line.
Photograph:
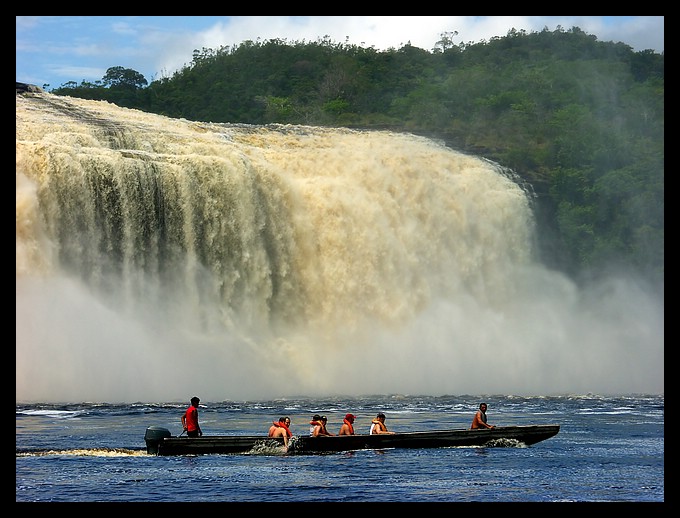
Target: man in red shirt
190, 419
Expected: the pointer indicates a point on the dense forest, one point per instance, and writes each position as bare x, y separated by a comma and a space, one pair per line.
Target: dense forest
580, 121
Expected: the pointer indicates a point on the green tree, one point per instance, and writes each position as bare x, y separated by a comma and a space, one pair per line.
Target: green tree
125, 77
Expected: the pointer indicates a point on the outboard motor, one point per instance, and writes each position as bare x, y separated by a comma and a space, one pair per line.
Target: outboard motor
153, 436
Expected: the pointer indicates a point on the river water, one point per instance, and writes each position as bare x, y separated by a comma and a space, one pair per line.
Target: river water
609, 449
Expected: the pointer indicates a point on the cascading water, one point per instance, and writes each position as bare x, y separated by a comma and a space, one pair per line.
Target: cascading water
160, 258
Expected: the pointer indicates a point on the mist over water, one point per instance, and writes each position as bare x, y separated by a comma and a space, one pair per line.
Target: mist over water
160, 258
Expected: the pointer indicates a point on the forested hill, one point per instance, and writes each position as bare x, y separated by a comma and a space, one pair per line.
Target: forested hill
581, 120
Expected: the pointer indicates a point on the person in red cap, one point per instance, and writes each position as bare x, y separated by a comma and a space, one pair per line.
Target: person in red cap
347, 427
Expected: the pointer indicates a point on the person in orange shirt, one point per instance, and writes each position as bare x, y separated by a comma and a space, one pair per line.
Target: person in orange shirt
479, 421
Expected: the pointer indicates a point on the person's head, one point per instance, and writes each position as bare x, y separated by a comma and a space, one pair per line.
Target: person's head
285, 420
350, 418
381, 416
324, 419
195, 401
482, 407
316, 417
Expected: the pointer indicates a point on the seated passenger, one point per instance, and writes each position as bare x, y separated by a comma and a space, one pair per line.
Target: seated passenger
347, 427
320, 427
378, 424
479, 421
281, 428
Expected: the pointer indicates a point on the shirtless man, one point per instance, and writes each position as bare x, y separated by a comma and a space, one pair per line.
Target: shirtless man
378, 424
347, 427
320, 427
479, 421
280, 429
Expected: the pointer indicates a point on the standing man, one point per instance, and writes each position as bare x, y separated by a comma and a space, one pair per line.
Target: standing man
190, 419
479, 421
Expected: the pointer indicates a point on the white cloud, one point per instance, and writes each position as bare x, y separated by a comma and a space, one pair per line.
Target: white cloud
49, 46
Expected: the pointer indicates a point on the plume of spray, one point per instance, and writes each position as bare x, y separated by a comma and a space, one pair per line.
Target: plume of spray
158, 258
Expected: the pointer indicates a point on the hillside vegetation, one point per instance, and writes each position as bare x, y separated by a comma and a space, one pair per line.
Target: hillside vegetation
581, 121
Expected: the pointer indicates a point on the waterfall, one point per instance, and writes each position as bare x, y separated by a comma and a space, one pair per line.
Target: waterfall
160, 258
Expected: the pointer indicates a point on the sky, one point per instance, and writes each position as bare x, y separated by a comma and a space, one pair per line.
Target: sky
53, 50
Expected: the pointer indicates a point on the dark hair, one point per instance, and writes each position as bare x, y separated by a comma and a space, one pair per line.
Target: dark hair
381, 415
282, 419
195, 399
316, 417
324, 418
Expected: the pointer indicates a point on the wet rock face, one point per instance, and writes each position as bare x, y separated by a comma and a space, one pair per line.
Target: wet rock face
25, 87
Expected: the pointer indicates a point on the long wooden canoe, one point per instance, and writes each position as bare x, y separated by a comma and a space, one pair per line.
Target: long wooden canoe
159, 441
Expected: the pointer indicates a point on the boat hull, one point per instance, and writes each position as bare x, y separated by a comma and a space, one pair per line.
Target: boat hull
161, 443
